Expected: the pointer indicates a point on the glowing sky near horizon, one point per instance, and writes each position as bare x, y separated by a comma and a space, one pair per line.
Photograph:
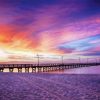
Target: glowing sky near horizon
49, 27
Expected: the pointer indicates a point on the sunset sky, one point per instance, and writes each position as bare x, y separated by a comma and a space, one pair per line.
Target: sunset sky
50, 28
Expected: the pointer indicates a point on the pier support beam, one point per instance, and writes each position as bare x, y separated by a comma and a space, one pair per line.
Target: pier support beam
49, 69
59, 68
27, 70
44, 69
11, 69
1, 69
20, 70
52, 68
39, 69
33, 69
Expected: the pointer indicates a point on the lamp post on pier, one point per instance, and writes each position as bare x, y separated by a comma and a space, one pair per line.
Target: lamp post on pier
79, 60
38, 59
87, 60
62, 60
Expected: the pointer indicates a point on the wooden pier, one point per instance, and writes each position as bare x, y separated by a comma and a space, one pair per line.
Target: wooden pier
44, 67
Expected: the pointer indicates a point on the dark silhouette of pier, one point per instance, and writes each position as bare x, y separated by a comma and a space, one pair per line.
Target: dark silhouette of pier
44, 67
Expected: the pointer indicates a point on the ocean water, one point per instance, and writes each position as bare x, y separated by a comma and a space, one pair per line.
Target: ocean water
84, 70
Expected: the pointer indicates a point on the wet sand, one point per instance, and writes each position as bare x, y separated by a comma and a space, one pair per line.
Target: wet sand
44, 86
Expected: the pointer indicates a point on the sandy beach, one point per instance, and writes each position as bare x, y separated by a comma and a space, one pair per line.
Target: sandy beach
44, 86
